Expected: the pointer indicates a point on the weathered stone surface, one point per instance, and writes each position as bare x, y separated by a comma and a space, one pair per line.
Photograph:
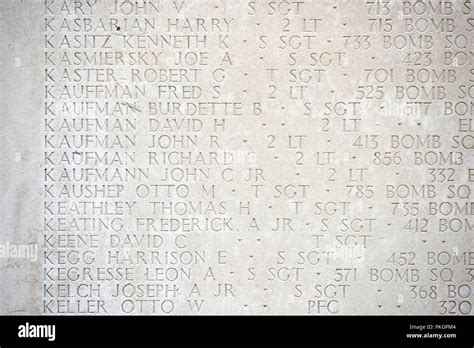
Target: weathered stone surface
237, 157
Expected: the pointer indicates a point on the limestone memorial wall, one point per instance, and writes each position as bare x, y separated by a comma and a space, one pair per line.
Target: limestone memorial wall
232, 157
